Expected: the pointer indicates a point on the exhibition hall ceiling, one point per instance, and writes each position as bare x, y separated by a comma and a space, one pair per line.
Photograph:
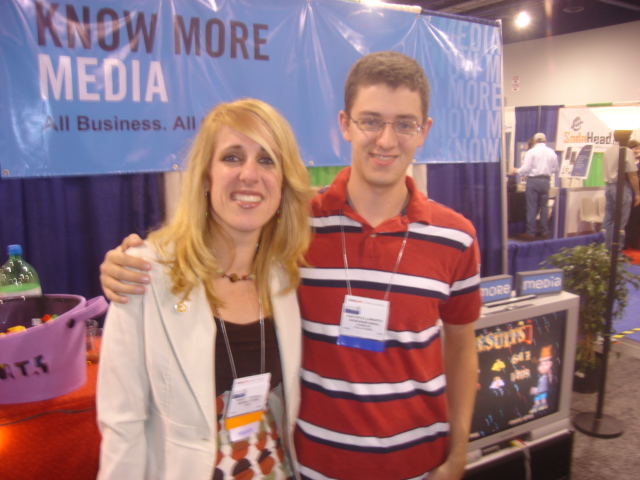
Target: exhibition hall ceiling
548, 17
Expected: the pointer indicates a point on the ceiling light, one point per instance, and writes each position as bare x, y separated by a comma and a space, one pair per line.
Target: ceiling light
523, 20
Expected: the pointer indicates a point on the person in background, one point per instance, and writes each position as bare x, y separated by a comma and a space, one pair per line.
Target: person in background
632, 230
540, 162
220, 319
387, 392
631, 195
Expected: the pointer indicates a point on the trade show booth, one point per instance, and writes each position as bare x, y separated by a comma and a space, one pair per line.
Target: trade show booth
101, 103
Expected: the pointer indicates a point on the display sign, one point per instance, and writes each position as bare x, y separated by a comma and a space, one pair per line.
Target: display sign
538, 282
578, 127
496, 288
115, 86
576, 162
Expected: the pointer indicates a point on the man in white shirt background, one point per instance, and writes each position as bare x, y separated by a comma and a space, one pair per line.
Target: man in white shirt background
540, 162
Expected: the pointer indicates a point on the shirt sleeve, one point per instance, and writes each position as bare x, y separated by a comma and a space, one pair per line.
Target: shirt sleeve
525, 169
123, 393
463, 305
631, 165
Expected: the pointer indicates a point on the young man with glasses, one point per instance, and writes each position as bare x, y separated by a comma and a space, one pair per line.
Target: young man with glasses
386, 393
387, 263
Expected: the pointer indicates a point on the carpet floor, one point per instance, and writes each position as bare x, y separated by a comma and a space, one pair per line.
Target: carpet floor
616, 458
628, 326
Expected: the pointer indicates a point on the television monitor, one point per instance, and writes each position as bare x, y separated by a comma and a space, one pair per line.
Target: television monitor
526, 352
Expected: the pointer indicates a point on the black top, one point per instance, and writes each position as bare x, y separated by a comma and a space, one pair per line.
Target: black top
245, 348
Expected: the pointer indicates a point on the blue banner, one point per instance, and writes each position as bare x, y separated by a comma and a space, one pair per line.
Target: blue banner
121, 86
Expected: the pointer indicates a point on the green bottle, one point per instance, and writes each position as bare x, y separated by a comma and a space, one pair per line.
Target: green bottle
17, 277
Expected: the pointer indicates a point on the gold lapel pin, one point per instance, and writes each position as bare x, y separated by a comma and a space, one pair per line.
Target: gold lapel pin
181, 306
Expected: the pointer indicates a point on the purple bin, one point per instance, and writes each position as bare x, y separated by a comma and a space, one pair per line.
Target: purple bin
48, 360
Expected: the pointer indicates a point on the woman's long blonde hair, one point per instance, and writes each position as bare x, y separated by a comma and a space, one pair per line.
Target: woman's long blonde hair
185, 244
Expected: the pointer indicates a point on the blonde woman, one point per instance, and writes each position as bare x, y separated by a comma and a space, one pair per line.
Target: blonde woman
199, 378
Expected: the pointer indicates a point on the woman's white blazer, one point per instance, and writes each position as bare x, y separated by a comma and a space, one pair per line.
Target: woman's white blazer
155, 395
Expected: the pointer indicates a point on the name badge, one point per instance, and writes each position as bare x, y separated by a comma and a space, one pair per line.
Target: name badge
247, 400
363, 323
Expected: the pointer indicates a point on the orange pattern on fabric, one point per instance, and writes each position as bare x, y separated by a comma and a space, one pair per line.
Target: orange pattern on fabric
260, 456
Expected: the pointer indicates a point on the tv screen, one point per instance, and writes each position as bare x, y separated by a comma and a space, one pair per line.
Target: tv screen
526, 360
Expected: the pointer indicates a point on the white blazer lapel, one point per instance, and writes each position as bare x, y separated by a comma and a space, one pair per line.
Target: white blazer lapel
190, 329
286, 313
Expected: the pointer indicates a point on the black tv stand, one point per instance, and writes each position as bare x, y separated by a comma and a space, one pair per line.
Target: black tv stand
550, 460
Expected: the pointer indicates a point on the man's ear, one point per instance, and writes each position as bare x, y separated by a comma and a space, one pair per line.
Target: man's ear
425, 131
343, 120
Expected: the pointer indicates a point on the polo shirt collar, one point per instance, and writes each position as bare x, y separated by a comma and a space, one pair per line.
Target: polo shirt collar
335, 201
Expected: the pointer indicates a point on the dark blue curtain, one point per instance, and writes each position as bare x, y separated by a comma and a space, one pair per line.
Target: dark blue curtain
531, 120
473, 189
525, 256
66, 225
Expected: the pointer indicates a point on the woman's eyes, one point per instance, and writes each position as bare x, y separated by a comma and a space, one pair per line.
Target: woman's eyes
232, 159
266, 161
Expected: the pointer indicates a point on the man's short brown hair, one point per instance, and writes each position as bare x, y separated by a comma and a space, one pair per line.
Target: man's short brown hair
633, 143
392, 69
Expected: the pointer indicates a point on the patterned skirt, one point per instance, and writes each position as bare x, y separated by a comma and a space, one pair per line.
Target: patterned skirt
261, 455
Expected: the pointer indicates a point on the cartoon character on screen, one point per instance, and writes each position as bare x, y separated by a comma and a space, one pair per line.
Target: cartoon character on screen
545, 377
497, 384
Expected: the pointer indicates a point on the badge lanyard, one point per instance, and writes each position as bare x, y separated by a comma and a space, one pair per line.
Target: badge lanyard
363, 321
346, 264
248, 395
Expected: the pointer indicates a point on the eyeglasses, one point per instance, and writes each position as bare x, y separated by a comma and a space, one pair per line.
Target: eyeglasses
405, 127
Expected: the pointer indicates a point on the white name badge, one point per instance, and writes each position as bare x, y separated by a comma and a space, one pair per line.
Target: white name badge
363, 323
247, 400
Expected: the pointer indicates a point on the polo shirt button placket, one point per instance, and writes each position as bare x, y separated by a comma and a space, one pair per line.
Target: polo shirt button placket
371, 247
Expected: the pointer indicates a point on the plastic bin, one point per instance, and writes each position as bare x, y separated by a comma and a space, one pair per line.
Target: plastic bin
47, 360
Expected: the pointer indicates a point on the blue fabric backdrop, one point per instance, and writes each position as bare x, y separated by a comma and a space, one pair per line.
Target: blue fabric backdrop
526, 256
531, 120
66, 225
474, 191
76, 101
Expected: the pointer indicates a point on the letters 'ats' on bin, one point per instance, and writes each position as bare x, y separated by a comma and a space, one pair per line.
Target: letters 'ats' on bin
47, 360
